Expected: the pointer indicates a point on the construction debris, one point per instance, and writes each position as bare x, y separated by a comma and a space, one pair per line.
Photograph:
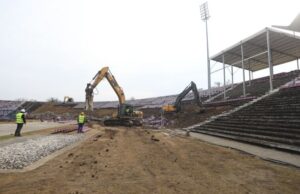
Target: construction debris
155, 122
65, 130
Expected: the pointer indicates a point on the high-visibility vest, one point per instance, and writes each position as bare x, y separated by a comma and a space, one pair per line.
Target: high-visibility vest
81, 119
19, 118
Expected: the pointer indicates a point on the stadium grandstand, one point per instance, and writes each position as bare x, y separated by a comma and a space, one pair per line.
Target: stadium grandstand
269, 114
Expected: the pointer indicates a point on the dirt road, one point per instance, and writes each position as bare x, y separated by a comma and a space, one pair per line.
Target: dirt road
9, 128
140, 161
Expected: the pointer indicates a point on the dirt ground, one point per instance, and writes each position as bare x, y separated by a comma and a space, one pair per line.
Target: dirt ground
120, 160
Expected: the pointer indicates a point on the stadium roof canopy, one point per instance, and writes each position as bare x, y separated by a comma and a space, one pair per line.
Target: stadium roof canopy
252, 52
294, 26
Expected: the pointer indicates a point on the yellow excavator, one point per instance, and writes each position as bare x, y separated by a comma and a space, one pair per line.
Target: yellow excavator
68, 99
176, 107
126, 116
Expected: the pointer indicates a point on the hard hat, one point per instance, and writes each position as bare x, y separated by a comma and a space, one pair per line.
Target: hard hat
23, 110
82, 113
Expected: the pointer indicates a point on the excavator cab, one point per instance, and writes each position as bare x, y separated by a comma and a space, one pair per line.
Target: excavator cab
128, 110
125, 110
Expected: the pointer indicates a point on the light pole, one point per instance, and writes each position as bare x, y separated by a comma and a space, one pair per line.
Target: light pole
205, 16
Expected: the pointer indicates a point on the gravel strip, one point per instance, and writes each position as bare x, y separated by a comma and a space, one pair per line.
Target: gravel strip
20, 155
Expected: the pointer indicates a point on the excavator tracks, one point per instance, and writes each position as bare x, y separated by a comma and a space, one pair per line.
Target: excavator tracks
128, 122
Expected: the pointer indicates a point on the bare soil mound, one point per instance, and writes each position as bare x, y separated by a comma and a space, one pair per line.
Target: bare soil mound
52, 110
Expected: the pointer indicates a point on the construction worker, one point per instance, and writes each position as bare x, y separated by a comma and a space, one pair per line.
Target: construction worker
20, 120
81, 120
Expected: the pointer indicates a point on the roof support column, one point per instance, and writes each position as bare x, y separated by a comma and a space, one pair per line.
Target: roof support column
242, 54
249, 78
224, 76
270, 60
231, 76
249, 74
297, 63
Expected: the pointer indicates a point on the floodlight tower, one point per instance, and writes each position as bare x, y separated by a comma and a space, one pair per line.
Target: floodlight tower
205, 16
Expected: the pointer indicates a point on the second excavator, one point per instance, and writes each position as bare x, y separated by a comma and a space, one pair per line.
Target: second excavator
126, 116
176, 107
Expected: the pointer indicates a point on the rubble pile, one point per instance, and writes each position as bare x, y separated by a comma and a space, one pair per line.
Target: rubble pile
155, 122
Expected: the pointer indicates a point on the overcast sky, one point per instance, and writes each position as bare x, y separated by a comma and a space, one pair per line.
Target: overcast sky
52, 48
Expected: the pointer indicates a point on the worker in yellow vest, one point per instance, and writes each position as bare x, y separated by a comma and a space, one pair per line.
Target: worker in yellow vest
81, 120
20, 120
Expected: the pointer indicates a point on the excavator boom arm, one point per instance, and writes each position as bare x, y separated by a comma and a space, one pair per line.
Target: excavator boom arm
104, 73
180, 97
99, 77
114, 84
